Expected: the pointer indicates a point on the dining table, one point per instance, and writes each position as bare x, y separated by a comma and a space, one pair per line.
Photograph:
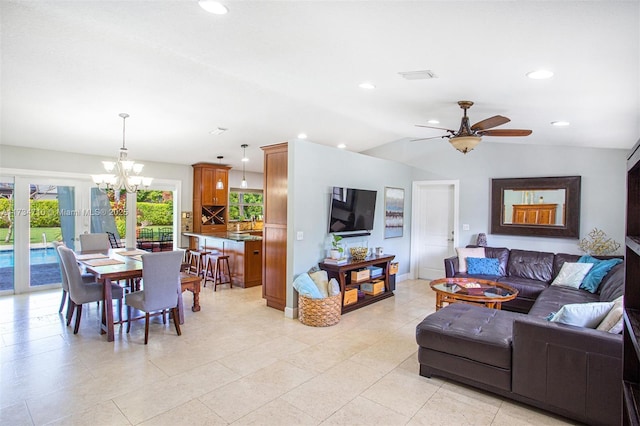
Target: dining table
112, 266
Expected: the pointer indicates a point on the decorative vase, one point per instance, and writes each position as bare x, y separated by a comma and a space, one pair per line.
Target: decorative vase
334, 254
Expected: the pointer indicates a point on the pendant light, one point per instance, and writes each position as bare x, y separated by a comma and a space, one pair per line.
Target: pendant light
244, 160
220, 184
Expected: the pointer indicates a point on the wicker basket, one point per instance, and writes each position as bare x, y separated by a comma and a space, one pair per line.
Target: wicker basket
320, 312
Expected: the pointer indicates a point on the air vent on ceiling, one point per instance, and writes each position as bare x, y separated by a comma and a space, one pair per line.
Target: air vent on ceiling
418, 75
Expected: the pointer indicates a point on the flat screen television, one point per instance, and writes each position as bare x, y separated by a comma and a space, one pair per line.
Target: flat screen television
352, 209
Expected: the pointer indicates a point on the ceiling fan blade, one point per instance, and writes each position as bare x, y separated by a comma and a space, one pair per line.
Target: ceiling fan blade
496, 120
505, 132
432, 137
439, 128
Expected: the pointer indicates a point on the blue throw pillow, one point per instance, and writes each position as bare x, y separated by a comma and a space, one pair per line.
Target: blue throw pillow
306, 287
483, 265
596, 274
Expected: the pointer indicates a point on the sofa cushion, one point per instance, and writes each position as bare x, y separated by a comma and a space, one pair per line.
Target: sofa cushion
500, 253
534, 265
555, 297
597, 273
527, 288
469, 331
483, 266
464, 252
612, 285
587, 315
571, 274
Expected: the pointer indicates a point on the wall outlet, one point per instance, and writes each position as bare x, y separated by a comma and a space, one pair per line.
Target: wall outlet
465, 227
299, 235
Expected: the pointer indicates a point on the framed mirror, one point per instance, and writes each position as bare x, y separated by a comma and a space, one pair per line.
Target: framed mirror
537, 207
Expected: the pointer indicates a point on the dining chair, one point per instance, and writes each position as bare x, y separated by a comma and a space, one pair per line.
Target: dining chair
94, 242
87, 278
160, 289
81, 292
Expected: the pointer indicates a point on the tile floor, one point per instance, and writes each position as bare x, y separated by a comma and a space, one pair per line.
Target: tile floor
237, 362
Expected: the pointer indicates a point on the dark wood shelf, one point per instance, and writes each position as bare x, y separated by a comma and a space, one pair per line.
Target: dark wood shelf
341, 274
631, 332
633, 243
631, 395
632, 323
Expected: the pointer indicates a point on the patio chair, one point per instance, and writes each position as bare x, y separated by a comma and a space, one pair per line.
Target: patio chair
144, 237
161, 289
113, 240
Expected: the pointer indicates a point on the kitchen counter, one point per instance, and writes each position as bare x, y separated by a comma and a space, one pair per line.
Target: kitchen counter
244, 251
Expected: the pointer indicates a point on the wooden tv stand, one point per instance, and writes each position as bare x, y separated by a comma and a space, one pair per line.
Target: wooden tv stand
342, 273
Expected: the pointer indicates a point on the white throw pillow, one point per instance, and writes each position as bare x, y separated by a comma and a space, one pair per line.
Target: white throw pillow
612, 323
571, 274
464, 252
334, 287
587, 315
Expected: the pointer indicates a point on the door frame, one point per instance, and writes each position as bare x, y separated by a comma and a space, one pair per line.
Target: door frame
419, 191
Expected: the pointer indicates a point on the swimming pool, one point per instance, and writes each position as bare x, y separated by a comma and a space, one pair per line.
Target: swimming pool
39, 256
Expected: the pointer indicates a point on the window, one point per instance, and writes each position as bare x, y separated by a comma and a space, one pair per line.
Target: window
245, 204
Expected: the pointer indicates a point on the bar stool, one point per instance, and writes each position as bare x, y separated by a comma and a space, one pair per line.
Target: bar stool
196, 261
216, 271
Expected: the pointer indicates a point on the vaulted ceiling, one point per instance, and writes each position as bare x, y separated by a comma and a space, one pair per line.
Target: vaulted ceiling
269, 70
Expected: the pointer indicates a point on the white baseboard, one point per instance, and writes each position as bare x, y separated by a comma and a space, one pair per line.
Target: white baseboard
290, 312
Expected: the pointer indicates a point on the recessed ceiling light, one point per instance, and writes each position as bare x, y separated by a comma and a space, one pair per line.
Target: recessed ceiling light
560, 123
433, 122
366, 85
218, 131
342, 146
540, 74
212, 6
302, 135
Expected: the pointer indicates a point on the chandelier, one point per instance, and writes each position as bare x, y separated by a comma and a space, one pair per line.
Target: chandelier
123, 174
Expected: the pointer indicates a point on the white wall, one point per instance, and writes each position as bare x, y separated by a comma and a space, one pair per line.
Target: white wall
314, 171
12, 157
603, 194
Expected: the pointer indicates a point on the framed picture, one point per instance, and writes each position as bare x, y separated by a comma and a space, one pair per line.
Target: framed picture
393, 212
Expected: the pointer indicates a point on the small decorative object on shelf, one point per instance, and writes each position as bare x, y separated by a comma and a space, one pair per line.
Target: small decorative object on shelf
359, 253
336, 248
482, 240
598, 244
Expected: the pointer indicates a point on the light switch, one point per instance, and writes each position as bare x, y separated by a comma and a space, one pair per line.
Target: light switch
465, 226
299, 235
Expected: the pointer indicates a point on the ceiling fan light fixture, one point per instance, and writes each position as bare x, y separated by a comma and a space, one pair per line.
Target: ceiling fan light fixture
465, 144
540, 74
214, 7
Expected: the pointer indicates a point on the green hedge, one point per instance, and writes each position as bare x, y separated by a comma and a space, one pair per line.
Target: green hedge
44, 214
155, 214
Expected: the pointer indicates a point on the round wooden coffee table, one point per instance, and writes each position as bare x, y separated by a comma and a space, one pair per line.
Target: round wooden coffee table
472, 290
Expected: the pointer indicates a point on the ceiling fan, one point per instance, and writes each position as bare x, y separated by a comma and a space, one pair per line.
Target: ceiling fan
467, 137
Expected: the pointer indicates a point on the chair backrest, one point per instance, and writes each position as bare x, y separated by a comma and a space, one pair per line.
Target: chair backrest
145, 234
63, 274
113, 241
161, 279
94, 242
78, 291
166, 234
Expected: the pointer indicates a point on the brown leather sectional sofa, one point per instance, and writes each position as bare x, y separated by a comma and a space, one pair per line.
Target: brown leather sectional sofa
572, 371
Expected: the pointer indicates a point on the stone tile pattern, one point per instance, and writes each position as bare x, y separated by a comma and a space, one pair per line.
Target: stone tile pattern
237, 362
